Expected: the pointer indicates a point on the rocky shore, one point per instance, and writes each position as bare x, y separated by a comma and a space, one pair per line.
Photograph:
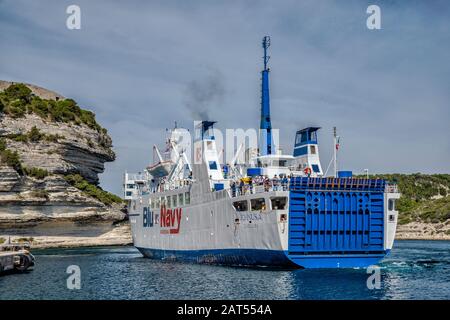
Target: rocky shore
97, 236
49, 167
423, 231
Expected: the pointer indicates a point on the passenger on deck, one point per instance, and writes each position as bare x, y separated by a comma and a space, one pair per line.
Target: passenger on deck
225, 171
266, 184
284, 182
275, 182
233, 188
241, 187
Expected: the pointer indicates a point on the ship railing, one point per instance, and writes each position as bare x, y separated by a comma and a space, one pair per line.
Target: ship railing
307, 183
136, 177
391, 188
171, 185
331, 183
255, 188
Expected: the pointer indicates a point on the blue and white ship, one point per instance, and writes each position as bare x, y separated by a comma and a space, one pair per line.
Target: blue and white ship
275, 210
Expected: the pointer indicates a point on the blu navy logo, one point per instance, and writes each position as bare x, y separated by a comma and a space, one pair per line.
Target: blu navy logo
147, 220
170, 220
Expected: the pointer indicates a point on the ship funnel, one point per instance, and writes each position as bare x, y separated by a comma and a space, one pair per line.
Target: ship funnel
204, 130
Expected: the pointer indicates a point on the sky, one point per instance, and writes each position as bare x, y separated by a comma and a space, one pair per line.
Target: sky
141, 65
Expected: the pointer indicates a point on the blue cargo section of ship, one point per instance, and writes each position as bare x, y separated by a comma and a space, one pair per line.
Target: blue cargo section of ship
336, 222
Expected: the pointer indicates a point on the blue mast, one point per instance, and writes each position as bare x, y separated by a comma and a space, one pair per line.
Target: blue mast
265, 138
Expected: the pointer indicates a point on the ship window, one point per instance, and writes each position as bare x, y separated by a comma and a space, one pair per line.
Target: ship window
258, 204
180, 199
304, 137
315, 168
241, 205
174, 200
313, 149
213, 165
129, 193
187, 198
278, 203
391, 204
130, 186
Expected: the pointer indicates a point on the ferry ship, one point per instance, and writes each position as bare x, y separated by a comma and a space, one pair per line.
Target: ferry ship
273, 210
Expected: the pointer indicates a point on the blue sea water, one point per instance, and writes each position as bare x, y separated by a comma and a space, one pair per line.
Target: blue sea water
414, 270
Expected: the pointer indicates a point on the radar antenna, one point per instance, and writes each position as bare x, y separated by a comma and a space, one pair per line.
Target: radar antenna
266, 45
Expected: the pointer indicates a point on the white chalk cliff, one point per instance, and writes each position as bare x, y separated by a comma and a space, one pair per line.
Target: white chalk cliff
50, 209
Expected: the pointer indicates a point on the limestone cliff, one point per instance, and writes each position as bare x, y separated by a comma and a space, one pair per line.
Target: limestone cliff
51, 152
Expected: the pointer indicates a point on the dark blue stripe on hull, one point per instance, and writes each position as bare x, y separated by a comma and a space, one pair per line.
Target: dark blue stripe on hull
237, 257
338, 261
257, 257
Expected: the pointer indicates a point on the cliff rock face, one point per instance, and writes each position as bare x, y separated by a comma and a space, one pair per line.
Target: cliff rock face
48, 206
79, 150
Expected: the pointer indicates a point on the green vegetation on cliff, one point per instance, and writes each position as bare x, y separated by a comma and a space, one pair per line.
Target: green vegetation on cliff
33, 136
103, 196
17, 100
37, 173
10, 158
424, 197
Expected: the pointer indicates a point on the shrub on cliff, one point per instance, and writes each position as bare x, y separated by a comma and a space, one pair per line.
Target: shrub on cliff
17, 109
37, 173
53, 137
34, 135
12, 159
2, 144
18, 91
17, 100
80, 183
18, 137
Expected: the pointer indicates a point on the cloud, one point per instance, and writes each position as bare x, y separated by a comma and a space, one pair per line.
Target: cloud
203, 95
142, 65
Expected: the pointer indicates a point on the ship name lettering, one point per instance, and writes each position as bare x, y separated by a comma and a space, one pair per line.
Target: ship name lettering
170, 220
